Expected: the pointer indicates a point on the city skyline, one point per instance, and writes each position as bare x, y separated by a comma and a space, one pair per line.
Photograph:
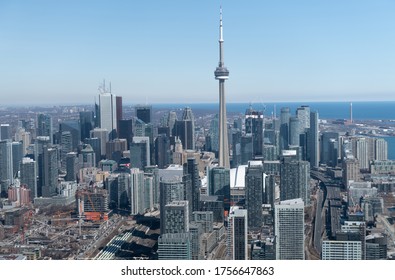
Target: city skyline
283, 51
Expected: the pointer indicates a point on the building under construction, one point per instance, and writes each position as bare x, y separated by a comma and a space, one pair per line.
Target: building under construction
92, 204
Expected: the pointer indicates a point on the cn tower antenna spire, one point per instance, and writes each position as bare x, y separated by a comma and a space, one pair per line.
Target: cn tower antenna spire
221, 74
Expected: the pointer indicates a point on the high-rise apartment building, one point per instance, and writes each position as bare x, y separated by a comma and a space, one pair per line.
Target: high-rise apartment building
73, 126
175, 246
28, 175
341, 250
17, 155
351, 171
162, 150
95, 144
140, 153
381, 149
153, 172
295, 180
101, 134
254, 126
254, 182
23, 136
6, 166
284, 128
5, 131
50, 171
191, 168
294, 131
72, 166
44, 126
115, 149
176, 217
303, 114
289, 229
361, 151
170, 190
219, 184
313, 153
237, 236
137, 191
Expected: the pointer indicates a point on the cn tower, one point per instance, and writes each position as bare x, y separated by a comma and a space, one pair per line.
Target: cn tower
222, 74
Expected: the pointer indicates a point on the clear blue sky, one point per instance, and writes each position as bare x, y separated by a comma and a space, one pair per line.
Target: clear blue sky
166, 51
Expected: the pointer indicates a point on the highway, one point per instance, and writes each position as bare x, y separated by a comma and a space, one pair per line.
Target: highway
328, 209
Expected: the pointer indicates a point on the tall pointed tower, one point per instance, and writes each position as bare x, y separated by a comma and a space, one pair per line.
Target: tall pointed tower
222, 74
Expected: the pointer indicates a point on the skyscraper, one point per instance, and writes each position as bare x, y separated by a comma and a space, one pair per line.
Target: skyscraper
23, 136
87, 157
144, 113
162, 150
237, 237
381, 149
303, 114
75, 130
102, 134
185, 129
170, 190
72, 166
41, 143
17, 155
289, 229
119, 111
140, 152
313, 140
284, 128
254, 126
295, 180
6, 165
254, 182
66, 147
219, 184
44, 126
115, 149
95, 143
294, 131
50, 172
5, 131
108, 116
125, 130
28, 175
176, 217
191, 168
214, 134
222, 74
87, 122
137, 191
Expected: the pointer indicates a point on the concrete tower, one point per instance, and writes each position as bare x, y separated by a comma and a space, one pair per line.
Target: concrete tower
222, 74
